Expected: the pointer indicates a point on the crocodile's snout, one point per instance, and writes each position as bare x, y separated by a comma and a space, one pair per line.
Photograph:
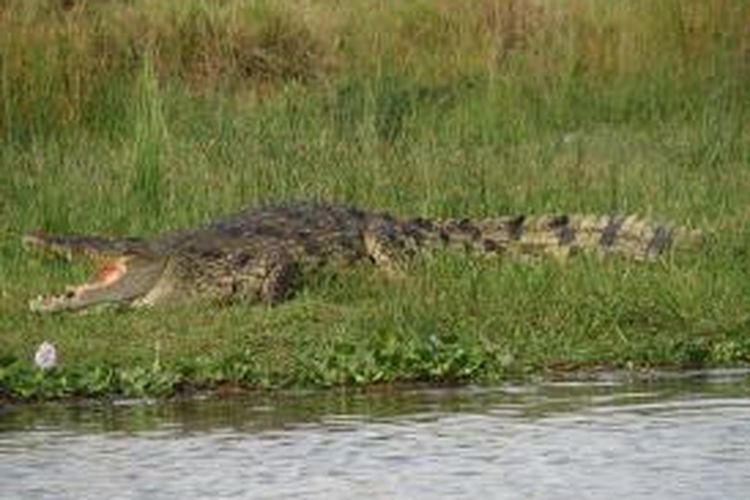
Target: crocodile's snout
121, 274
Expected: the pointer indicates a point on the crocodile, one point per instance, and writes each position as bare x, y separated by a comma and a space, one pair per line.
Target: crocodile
260, 253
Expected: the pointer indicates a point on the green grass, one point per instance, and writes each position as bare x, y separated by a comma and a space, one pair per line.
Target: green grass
138, 117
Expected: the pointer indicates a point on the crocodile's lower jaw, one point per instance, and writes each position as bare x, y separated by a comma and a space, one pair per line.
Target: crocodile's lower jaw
59, 303
49, 303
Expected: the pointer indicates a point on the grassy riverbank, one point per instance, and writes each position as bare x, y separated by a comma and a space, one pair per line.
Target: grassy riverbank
136, 117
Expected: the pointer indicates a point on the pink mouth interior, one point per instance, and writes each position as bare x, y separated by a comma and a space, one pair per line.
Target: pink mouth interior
107, 273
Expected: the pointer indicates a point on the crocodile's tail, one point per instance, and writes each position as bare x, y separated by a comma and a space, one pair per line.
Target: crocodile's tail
559, 235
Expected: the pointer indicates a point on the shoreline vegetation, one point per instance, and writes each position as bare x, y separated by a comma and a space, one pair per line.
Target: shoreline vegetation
136, 117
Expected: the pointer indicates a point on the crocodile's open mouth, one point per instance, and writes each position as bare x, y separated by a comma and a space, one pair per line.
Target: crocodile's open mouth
124, 271
106, 276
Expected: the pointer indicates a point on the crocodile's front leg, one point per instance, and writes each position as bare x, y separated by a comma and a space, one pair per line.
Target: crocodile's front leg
280, 277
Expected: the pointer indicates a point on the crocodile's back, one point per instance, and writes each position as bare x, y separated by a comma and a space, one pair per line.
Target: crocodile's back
293, 220
342, 233
314, 232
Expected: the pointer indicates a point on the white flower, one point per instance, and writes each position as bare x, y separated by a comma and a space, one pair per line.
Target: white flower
46, 356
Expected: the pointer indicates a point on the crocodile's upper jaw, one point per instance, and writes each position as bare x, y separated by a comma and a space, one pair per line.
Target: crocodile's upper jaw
120, 280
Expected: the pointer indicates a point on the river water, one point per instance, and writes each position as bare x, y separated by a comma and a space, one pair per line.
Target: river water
677, 436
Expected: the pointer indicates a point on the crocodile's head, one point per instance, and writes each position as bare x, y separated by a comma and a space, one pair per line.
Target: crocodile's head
126, 270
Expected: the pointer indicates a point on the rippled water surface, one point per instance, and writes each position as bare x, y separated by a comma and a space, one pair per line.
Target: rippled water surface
678, 437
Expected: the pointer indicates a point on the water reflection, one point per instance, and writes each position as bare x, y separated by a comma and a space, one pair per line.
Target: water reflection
682, 436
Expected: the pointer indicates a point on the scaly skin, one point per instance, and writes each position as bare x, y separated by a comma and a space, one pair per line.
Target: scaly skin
259, 254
